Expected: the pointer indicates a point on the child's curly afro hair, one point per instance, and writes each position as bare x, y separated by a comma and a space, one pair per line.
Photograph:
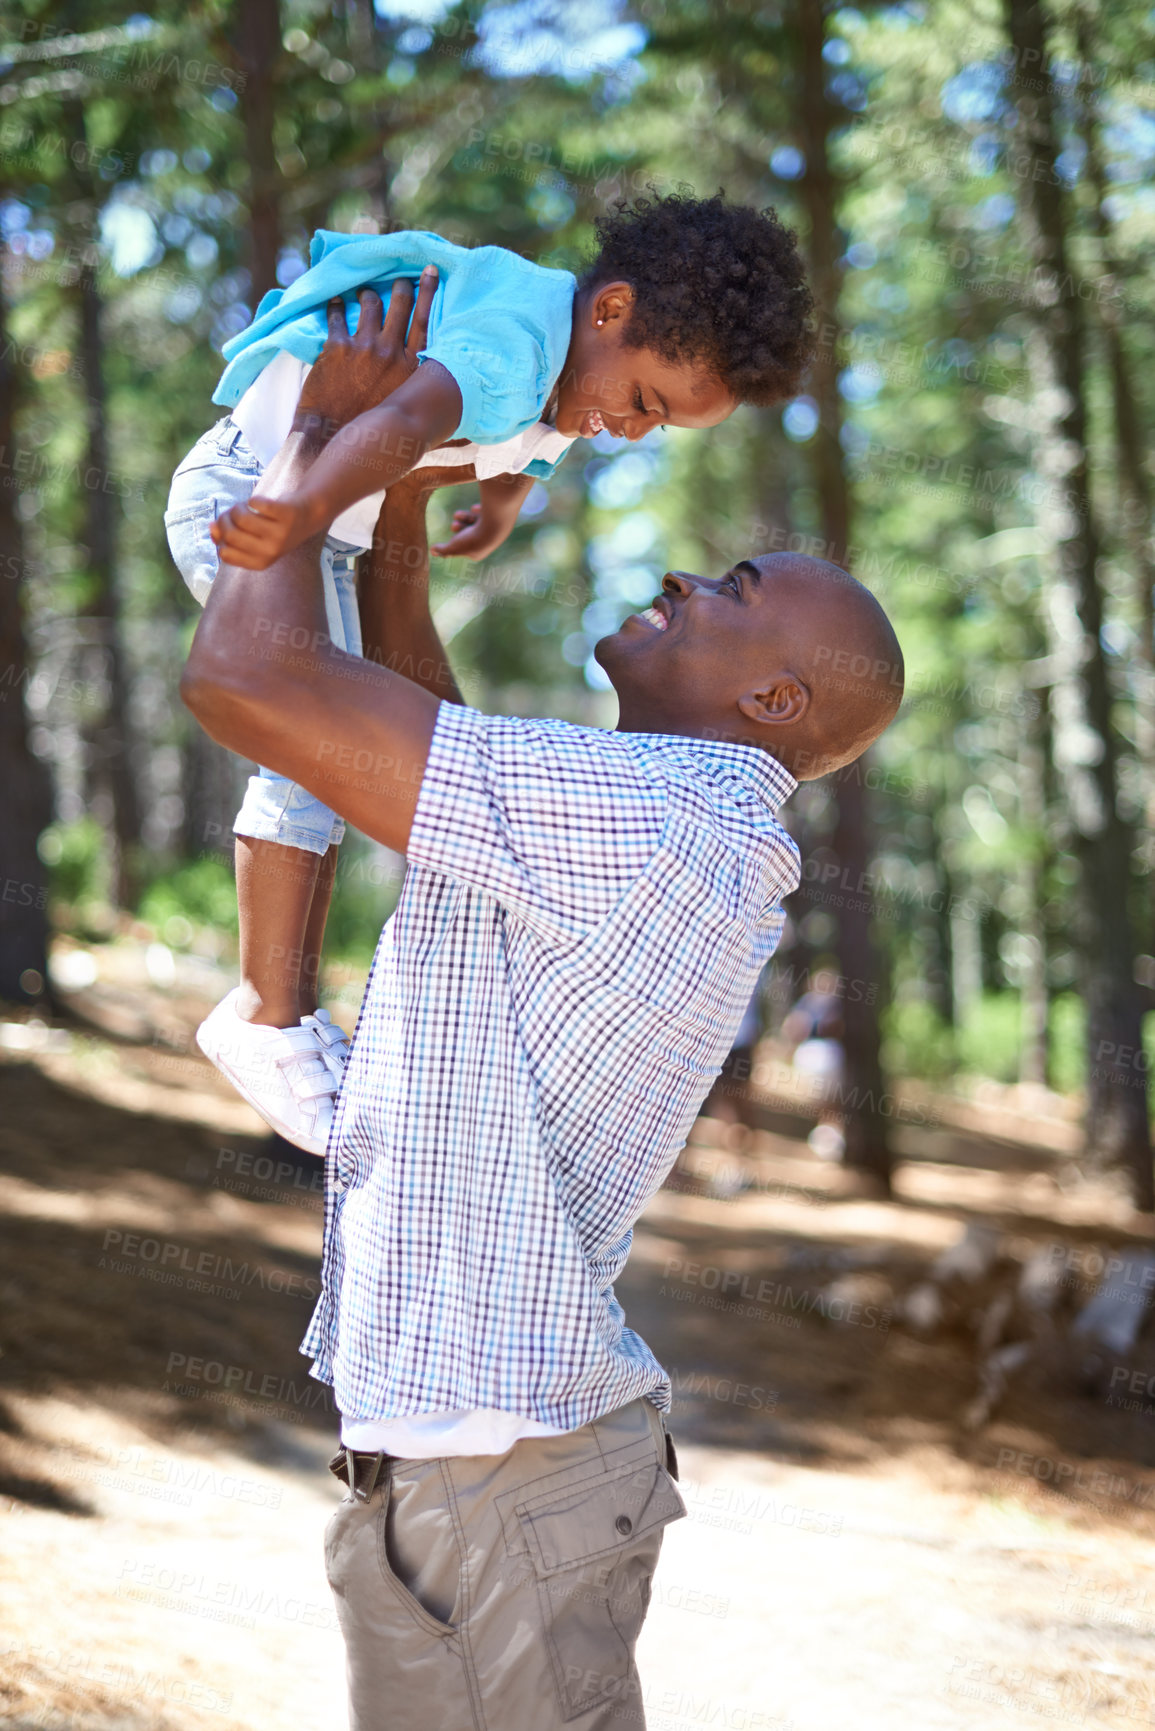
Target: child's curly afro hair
718, 285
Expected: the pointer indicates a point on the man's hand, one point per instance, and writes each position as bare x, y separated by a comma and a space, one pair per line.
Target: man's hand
356, 735
353, 374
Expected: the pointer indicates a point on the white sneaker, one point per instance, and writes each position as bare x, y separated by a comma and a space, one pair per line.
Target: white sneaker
333, 1041
280, 1072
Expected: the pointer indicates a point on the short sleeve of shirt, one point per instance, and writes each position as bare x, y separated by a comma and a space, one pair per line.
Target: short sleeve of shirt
554, 822
500, 367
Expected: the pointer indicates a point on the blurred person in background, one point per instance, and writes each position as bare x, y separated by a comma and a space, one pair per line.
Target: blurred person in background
814, 1028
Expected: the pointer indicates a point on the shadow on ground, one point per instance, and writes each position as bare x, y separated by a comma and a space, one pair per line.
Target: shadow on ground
153, 1268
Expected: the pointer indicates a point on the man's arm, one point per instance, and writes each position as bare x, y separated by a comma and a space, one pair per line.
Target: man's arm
397, 629
372, 451
263, 677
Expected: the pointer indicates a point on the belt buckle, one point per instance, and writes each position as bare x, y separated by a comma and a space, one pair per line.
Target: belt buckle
350, 1461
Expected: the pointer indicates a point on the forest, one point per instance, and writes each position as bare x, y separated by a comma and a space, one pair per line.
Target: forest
971, 184
901, 1277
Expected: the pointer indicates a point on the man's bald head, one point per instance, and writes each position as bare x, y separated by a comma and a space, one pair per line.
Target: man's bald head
836, 637
785, 652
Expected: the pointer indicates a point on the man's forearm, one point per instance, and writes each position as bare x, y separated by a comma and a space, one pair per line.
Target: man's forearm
252, 616
264, 678
397, 628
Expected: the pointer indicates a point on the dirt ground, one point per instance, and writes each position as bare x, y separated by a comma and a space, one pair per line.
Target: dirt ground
856, 1551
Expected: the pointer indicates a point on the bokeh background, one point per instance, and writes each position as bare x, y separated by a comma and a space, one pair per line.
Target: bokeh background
914, 1224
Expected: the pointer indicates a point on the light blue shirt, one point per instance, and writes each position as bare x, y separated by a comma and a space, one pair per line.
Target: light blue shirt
583, 921
498, 323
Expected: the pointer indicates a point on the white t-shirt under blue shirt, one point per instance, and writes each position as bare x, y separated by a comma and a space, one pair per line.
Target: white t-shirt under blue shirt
498, 323
265, 416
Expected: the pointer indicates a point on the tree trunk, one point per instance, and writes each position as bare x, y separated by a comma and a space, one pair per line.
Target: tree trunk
865, 1123
111, 741
27, 791
213, 784
258, 44
1034, 1051
1135, 490
365, 51
1084, 741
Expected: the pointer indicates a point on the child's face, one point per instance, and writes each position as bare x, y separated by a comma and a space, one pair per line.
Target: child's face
628, 392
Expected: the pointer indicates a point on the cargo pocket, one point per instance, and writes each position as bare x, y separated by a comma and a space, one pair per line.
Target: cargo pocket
594, 1548
418, 1550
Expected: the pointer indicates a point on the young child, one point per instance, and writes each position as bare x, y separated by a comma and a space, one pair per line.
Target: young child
691, 307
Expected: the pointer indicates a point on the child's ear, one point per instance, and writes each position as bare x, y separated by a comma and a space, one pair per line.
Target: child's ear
613, 302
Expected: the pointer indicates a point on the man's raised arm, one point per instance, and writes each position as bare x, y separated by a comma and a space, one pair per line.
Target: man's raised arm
263, 677
397, 629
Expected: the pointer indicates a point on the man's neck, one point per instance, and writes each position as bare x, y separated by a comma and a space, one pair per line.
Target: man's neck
792, 762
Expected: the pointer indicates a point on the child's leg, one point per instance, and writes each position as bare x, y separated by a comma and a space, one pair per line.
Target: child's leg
284, 890
276, 886
289, 1072
309, 980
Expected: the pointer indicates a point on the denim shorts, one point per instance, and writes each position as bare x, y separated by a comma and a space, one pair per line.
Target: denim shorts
222, 470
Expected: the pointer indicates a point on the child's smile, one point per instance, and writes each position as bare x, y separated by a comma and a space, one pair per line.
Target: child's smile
609, 387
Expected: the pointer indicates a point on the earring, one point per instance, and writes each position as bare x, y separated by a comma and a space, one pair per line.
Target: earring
601, 321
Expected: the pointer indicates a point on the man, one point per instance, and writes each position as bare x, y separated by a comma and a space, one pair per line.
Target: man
583, 919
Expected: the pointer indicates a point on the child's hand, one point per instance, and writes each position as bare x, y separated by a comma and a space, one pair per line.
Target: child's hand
471, 537
253, 535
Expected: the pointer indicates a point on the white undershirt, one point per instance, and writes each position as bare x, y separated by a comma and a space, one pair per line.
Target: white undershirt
429, 1435
265, 415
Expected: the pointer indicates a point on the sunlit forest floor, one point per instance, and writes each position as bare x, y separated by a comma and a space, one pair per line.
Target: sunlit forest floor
856, 1552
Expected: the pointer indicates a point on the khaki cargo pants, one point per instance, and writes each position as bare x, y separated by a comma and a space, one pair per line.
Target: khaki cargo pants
505, 1592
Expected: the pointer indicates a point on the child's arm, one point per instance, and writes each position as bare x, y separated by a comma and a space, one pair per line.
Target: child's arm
371, 452
480, 529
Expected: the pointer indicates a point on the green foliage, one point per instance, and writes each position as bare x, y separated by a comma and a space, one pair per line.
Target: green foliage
1066, 1032
75, 855
200, 892
989, 1039
364, 895
917, 1041
380, 120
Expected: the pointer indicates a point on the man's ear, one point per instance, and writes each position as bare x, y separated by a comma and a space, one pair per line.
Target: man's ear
613, 301
781, 702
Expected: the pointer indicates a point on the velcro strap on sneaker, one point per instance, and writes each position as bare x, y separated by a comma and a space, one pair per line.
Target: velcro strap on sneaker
304, 1082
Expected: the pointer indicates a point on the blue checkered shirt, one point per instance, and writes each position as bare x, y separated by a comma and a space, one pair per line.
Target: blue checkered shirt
584, 918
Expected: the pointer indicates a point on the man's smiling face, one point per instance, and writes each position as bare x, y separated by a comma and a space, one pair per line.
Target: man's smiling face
749, 657
700, 646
